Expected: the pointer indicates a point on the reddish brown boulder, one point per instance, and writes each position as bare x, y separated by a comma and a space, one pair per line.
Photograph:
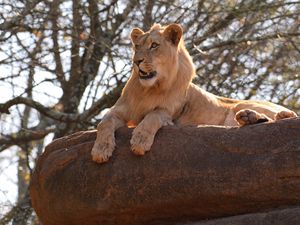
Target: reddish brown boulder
190, 174
290, 216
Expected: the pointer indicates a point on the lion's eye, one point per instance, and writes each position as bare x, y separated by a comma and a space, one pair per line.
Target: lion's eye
154, 45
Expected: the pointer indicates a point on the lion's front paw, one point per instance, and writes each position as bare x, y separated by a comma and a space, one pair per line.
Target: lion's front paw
103, 149
141, 141
248, 116
284, 114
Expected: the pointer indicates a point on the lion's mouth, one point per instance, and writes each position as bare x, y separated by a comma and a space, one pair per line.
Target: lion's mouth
146, 76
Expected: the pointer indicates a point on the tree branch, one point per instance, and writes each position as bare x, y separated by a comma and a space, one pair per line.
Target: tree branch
148, 20
20, 212
23, 136
245, 40
54, 14
64, 117
7, 25
106, 101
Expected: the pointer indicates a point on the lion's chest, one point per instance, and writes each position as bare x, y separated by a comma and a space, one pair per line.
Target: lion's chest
140, 107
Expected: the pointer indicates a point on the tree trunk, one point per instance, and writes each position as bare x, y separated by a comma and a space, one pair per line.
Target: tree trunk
190, 174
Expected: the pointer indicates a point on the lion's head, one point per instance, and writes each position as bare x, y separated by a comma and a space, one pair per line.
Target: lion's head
155, 59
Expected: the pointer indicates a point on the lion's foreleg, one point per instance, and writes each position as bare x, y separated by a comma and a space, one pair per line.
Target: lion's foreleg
143, 135
105, 141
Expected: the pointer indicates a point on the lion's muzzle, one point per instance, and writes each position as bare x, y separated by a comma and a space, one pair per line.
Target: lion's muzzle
146, 76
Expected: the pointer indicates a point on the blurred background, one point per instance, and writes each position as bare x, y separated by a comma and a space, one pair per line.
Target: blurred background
64, 62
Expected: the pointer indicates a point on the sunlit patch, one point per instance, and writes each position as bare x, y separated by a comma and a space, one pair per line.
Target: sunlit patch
131, 124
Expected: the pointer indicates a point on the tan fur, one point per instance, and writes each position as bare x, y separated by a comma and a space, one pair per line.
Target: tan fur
170, 96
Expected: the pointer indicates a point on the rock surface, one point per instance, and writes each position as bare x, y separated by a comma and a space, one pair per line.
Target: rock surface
289, 216
190, 174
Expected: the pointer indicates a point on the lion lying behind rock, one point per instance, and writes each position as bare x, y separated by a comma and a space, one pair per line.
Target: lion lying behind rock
160, 92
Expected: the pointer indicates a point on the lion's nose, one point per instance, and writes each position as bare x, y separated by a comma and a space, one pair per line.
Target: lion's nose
138, 62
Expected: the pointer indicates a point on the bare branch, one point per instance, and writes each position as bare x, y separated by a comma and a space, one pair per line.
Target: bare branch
106, 101
7, 25
23, 136
54, 13
248, 40
20, 212
147, 21
64, 117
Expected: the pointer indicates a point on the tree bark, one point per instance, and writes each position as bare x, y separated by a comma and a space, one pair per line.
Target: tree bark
190, 174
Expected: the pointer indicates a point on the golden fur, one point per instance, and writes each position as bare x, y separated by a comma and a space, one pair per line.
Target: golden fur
160, 92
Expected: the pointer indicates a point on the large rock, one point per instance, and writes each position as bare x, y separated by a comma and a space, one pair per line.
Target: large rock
190, 174
290, 216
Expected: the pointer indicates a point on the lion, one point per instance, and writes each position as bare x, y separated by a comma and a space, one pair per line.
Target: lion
160, 92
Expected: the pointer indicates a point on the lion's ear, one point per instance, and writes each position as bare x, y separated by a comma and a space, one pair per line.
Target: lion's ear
173, 33
135, 33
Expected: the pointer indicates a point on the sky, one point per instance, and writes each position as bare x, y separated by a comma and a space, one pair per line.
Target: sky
8, 179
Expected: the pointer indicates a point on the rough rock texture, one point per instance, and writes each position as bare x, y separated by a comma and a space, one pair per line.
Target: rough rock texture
190, 174
289, 216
